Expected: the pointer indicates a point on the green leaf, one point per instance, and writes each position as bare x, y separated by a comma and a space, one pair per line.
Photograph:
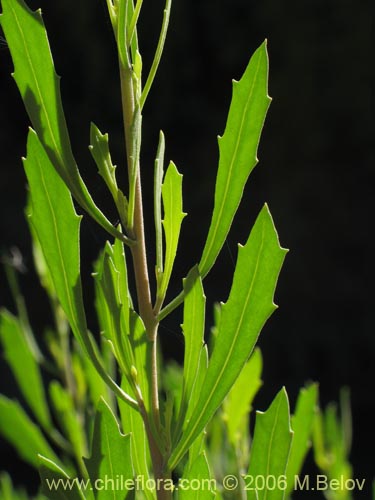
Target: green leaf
114, 305
110, 453
56, 225
39, 86
69, 420
198, 474
142, 349
17, 428
133, 425
24, 367
237, 407
99, 149
58, 484
197, 446
158, 181
238, 151
302, 422
193, 328
270, 449
173, 216
249, 306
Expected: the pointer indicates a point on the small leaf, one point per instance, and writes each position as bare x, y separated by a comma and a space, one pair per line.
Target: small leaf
249, 306
99, 149
58, 484
199, 473
270, 449
158, 181
24, 367
17, 428
302, 422
110, 453
173, 216
238, 151
39, 86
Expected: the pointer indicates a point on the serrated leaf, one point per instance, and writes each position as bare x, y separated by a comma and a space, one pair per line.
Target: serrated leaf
193, 328
69, 420
99, 149
198, 474
26, 437
58, 484
57, 227
110, 453
237, 405
39, 86
24, 367
302, 422
270, 448
238, 151
173, 216
249, 306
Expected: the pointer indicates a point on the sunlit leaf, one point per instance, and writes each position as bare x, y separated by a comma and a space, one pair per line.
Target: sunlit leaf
249, 306
238, 151
173, 216
193, 328
24, 367
25, 436
39, 86
270, 450
302, 422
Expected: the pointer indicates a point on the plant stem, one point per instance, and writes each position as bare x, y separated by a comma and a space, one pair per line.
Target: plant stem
142, 281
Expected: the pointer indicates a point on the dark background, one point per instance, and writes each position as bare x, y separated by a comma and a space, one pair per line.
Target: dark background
316, 170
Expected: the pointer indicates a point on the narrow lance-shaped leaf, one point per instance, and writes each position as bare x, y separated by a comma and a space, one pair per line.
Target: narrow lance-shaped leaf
99, 149
24, 367
57, 226
238, 151
270, 450
158, 181
39, 86
110, 454
302, 422
26, 437
237, 405
132, 423
112, 307
249, 306
173, 216
193, 328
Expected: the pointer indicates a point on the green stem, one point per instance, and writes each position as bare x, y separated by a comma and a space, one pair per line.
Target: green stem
158, 53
